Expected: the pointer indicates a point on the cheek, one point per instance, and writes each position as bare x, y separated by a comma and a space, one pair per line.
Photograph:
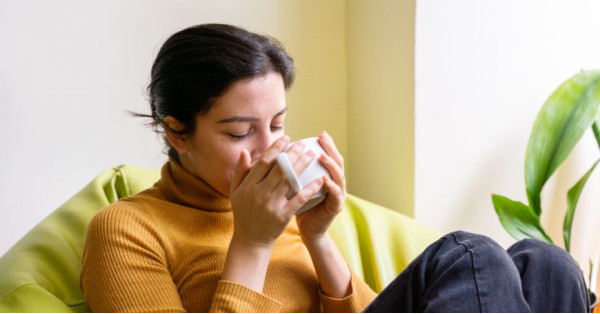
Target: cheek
230, 166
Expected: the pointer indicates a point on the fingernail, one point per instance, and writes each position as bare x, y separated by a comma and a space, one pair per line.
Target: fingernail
298, 147
310, 154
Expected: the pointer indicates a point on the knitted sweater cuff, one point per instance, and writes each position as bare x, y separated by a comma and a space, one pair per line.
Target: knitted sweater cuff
231, 297
360, 296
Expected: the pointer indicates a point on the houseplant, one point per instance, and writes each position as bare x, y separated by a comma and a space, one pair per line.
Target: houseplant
571, 109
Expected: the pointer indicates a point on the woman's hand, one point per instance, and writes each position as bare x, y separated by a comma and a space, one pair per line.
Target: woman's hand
315, 222
332, 270
260, 209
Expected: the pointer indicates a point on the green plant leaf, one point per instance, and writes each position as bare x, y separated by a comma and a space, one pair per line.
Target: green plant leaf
596, 130
596, 127
572, 199
566, 114
518, 219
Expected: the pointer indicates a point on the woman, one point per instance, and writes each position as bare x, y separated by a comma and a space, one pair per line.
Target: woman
217, 233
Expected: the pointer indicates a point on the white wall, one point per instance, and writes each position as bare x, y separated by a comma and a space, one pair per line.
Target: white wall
483, 70
69, 71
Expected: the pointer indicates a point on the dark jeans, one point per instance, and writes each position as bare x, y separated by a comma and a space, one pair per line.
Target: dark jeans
464, 272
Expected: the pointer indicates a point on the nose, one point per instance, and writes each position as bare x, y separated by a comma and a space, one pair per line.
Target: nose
263, 140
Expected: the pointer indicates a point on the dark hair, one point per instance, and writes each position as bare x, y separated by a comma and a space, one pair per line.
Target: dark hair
199, 63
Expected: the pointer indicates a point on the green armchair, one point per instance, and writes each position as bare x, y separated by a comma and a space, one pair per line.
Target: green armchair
40, 273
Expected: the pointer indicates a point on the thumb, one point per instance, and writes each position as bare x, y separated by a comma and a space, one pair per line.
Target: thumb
241, 170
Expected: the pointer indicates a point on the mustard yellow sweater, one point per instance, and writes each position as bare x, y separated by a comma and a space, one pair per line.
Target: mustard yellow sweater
163, 250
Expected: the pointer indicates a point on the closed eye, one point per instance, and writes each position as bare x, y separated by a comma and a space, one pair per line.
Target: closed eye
239, 137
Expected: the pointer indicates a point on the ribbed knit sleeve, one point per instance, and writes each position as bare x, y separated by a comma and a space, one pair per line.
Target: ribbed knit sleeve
356, 302
231, 297
124, 267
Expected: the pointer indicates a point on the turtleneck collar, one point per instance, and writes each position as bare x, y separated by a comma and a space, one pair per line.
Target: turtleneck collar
184, 188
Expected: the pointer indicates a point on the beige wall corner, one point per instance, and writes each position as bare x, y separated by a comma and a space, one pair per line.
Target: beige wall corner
380, 56
314, 35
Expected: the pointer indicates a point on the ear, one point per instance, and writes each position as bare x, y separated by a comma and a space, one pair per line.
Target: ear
178, 141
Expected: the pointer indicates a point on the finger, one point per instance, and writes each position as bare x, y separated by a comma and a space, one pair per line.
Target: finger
274, 178
335, 195
329, 146
264, 164
301, 164
337, 173
241, 170
283, 188
304, 161
306, 194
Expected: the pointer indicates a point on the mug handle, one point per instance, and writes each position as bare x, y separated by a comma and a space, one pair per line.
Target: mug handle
288, 171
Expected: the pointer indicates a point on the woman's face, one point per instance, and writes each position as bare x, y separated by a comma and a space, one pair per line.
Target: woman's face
250, 115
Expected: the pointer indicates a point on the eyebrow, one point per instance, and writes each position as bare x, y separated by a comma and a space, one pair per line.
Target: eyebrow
248, 119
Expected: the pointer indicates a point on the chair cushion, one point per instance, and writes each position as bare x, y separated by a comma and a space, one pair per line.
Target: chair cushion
378, 243
40, 273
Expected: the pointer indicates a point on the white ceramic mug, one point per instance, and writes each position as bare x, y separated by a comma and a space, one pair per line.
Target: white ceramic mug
314, 170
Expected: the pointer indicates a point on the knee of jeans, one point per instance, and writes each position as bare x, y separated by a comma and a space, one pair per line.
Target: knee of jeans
477, 241
483, 246
487, 252
531, 251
